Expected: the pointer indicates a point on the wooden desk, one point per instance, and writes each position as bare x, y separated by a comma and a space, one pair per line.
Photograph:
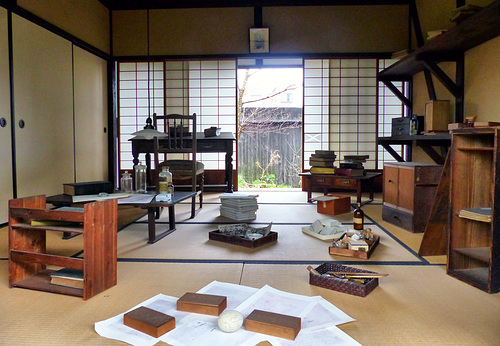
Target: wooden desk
219, 144
340, 182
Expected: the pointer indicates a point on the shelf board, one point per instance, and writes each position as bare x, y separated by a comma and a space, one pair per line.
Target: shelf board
477, 277
480, 253
68, 229
476, 149
41, 282
479, 28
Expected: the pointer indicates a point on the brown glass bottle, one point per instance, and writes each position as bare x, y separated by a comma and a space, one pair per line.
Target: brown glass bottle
358, 220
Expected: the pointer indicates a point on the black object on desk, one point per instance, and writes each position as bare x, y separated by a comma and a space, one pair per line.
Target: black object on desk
218, 144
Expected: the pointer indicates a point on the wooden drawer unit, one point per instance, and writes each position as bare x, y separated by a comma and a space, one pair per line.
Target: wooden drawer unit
409, 191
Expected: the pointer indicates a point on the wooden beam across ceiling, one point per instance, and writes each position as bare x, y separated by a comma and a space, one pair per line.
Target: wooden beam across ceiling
166, 4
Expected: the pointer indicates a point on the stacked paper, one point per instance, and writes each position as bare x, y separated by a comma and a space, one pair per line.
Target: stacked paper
238, 206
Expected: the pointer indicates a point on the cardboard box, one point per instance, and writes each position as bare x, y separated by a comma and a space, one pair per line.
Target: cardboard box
241, 241
337, 284
206, 304
437, 115
270, 323
149, 321
333, 204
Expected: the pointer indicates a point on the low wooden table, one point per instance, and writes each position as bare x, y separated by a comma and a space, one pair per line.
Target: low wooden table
340, 182
152, 207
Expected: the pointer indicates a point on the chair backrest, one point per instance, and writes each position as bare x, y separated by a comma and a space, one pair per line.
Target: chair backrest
181, 130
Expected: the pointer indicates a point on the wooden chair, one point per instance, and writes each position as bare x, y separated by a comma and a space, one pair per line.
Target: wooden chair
187, 173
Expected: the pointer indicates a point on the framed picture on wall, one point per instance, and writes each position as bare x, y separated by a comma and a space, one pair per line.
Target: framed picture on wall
259, 40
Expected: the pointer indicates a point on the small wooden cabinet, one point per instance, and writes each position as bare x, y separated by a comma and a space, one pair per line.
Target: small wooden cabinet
409, 191
28, 257
474, 239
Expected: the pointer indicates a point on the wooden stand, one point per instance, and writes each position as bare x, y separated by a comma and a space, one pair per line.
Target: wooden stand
27, 246
474, 246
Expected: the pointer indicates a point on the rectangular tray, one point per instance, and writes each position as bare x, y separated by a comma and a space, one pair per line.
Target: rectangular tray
355, 253
218, 236
336, 284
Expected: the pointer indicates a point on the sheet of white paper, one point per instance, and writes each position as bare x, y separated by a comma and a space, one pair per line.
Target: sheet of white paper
138, 198
273, 300
236, 294
331, 336
113, 328
324, 314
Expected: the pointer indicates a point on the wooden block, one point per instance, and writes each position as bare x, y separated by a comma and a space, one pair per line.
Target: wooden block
333, 204
148, 321
270, 323
437, 115
207, 304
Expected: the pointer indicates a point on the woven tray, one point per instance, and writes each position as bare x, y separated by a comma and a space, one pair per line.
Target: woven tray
349, 287
218, 236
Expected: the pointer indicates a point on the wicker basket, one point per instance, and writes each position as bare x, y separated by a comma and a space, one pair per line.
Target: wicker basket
333, 283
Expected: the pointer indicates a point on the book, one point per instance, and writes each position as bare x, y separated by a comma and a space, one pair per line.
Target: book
67, 277
87, 188
478, 214
102, 197
322, 170
356, 158
355, 165
350, 172
315, 163
324, 153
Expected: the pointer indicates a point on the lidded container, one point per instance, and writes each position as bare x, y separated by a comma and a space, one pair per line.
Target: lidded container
126, 182
165, 184
140, 178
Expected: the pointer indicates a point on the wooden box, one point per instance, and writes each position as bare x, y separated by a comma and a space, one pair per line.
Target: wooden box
356, 253
149, 321
336, 284
206, 304
333, 204
241, 241
270, 323
437, 115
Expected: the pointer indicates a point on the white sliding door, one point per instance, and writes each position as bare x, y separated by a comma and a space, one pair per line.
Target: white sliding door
5, 123
91, 107
43, 89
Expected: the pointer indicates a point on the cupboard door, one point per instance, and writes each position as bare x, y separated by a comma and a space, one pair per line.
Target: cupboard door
91, 108
43, 89
406, 188
391, 185
6, 187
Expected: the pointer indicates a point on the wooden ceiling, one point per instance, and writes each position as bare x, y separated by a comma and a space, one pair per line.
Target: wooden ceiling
164, 4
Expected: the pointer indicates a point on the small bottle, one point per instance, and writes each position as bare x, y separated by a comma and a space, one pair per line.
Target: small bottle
359, 218
126, 182
164, 180
140, 178
414, 125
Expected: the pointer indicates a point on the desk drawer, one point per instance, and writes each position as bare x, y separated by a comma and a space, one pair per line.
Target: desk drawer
212, 146
321, 181
344, 183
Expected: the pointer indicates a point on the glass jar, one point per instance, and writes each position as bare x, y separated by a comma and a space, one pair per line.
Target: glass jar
126, 182
140, 178
164, 180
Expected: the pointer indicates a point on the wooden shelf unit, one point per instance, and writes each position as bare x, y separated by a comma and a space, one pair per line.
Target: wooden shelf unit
474, 246
28, 258
449, 46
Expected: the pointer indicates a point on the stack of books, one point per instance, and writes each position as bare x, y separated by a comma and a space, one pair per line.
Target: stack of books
322, 162
353, 166
238, 206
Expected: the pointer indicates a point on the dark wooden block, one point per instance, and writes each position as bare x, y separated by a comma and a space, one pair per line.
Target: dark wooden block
207, 304
149, 321
270, 323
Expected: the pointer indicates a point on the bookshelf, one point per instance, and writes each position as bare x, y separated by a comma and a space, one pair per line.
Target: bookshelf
28, 257
474, 236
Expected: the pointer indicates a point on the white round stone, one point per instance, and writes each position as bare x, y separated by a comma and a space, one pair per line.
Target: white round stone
230, 321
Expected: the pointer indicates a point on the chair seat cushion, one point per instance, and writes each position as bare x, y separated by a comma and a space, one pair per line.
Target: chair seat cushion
183, 167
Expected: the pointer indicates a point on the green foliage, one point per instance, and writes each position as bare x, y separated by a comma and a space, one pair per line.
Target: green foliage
265, 181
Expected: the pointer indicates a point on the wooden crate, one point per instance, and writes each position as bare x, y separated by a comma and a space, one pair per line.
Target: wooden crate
336, 284
236, 240
207, 304
333, 204
356, 253
270, 323
149, 321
